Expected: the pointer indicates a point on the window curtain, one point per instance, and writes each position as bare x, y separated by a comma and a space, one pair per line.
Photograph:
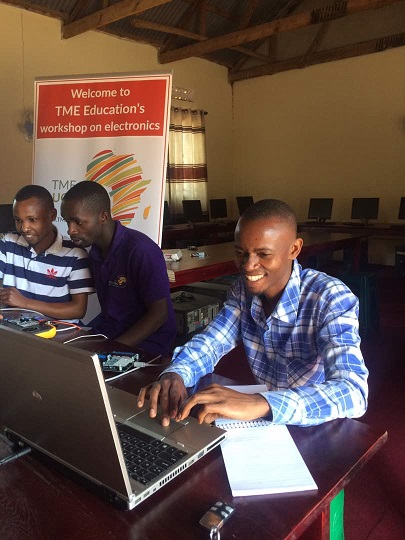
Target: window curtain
187, 167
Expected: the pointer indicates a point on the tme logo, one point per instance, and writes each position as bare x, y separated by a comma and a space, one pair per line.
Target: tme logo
37, 396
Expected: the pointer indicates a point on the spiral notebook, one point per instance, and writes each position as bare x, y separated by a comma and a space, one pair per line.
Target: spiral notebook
262, 458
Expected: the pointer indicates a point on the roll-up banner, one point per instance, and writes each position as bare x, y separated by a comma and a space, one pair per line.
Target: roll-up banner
110, 129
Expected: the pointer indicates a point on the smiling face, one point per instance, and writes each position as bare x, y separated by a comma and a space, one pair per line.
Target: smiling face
264, 251
34, 221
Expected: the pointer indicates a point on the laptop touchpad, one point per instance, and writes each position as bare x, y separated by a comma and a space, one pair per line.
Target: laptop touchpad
143, 421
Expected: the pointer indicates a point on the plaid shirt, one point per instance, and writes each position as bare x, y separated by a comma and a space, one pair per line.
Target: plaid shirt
307, 351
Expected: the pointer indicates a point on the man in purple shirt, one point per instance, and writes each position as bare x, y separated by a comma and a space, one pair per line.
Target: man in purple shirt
129, 272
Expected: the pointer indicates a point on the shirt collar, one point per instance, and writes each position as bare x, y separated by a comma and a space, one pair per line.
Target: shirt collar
117, 239
287, 308
53, 249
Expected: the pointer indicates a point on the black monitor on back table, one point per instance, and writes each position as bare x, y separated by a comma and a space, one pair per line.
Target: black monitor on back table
320, 209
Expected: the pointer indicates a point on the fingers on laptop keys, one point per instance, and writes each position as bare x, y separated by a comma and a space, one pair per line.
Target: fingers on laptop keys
169, 392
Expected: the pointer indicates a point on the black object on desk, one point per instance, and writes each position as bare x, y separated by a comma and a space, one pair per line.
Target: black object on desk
7, 222
320, 209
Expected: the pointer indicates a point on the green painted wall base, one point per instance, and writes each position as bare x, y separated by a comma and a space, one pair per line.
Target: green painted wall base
336, 517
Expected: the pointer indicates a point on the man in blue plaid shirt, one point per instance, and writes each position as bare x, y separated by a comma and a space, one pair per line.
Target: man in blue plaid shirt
299, 329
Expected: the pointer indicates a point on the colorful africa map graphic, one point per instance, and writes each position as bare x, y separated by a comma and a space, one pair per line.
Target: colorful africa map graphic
121, 175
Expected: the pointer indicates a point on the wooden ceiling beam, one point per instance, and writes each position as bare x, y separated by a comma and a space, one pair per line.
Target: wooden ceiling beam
110, 14
285, 11
320, 57
320, 36
148, 25
185, 19
77, 10
248, 14
202, 15
294, 22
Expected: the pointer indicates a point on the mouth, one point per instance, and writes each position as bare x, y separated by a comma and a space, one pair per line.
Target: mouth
254, 278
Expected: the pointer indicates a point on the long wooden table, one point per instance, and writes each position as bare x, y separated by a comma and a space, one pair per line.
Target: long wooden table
198, 233
387, 230
39, 500
219, 259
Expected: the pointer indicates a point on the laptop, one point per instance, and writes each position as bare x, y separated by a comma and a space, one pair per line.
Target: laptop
56, 401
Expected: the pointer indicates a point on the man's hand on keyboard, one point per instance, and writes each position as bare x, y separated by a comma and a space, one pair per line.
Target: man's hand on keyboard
169, 392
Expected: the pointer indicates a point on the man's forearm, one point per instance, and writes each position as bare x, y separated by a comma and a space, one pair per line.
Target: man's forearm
56, 310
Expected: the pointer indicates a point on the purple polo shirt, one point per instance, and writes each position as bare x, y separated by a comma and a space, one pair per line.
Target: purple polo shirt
133, 274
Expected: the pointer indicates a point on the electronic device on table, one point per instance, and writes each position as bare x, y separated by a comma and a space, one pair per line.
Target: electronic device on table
244, 203
84, 433
320, 209
192, 210
118, 361
218, 209
31, 325
365, 208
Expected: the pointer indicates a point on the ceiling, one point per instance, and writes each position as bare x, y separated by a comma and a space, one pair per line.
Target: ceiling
251, 38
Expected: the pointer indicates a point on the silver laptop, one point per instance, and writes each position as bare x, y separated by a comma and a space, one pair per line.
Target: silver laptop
55, 400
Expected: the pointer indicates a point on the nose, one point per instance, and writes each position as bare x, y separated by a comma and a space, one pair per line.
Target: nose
24, 226
249, 261
71, 229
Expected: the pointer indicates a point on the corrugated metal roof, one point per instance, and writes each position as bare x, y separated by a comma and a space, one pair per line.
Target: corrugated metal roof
216, 18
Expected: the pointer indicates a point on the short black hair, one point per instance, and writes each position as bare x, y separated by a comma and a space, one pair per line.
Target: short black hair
92, 194
33, 191
270, 208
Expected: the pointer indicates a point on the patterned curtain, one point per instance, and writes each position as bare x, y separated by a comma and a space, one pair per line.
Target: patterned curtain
187, 167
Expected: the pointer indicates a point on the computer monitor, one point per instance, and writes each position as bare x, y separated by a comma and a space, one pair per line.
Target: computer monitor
320, 209
192, 210
167, 216
365, 208
244, 202
7, 222
218, 209
401, 213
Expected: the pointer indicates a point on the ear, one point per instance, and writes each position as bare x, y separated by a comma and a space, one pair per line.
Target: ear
104, 217
53, 214
295, 248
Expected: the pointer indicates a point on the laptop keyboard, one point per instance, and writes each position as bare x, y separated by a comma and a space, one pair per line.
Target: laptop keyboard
146, 458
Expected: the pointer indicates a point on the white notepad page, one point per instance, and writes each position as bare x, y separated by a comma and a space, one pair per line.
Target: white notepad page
262, 458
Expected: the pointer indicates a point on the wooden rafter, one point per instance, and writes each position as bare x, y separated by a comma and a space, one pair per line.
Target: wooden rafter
294, 22
183, 22
248, 14
320, 36
283, 12
148, 25
77, 10
348, 51
202, 16
110, 14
